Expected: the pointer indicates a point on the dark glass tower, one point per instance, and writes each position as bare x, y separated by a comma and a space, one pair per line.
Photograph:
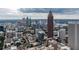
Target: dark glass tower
50, 24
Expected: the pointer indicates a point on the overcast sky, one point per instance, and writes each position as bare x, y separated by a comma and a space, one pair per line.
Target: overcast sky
14, 13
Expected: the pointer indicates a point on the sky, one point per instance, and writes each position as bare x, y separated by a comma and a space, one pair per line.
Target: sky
58, 13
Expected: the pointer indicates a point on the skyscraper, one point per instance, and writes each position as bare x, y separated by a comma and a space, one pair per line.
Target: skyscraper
73, 35
50, 24
28, 21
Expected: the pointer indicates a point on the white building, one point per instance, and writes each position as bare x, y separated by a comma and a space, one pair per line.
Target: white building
62, 35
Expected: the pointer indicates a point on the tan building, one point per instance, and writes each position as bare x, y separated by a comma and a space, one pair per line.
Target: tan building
73, 32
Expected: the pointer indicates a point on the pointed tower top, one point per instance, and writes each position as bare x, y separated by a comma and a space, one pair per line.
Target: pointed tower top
50, 14
50, 11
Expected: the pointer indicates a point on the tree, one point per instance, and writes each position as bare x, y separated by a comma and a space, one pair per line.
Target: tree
1, 42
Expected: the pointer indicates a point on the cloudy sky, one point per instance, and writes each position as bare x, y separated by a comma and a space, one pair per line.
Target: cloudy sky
38, 13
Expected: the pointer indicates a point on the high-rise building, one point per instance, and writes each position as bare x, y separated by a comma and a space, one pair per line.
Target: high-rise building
62, 35
73, 34
40, 36
29, 22
50, 24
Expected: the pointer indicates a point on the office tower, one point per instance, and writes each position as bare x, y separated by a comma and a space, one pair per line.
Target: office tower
10, 32
73, 33
62, 35
40, 36
50, 24
28, 22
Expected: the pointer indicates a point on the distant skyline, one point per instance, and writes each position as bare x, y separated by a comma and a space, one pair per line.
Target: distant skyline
39, 13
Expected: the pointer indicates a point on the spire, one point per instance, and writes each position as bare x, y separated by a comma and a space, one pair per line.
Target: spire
50, 24
50, 14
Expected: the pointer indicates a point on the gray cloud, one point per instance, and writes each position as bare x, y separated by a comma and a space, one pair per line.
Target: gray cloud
6, 13
54, 10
